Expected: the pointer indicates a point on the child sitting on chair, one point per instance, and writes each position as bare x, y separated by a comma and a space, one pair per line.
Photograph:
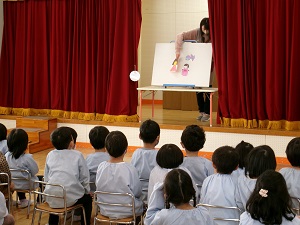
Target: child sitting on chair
144, 159
5, 218
192, 140
17, 142
260, 159
97, 137
3, 141
218, 189
270, 202
67, 167
115, 175
178, 190
292, 175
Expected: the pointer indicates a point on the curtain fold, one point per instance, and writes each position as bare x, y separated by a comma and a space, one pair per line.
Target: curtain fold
256, 50
70, 59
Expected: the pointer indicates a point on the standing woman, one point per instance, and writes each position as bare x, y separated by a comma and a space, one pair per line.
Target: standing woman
201, 35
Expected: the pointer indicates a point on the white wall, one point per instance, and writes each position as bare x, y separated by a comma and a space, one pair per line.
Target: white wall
162, 20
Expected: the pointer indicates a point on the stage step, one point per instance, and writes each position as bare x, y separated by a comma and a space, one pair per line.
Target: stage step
39, 129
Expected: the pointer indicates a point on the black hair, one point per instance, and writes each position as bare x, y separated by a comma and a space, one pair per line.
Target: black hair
3, 132
178, 188
17, 142
193, 138
260, 159
204, 22
169, 156
270, 209
97, 136
293, 152
116, 143
243, 149
74, 134
61, 138
149, 131
225, 159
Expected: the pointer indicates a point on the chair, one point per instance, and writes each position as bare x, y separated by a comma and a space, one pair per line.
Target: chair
229, 208
296, 205
43, 207
26, 178
100, 218
8, 195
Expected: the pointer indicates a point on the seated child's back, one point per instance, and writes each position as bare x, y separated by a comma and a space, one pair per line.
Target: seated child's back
218, 189
144, 159
116, 175
97, 137
292, 175
193, 139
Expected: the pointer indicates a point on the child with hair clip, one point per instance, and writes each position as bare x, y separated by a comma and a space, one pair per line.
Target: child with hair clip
292, 175
97, 137
270, 202
115, 175
259, 160
192, 140
243, 149
177, 189
67, 167
218, 189
17, 142
168, 157
144, 159
3, 141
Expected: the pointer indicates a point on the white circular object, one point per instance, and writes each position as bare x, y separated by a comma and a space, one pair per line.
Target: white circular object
134, 75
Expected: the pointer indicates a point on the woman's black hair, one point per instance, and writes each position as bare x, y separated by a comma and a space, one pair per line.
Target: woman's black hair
169, 156
3, 132
259, 160
243, 149
178, 188
293, 152
193, 138
17, 142
270, 209
204, 22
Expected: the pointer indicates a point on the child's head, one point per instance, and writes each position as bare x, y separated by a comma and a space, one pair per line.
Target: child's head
169, 156
193, 138
178, 188
149, 131
116, 144
74, 135
293, 152
259, 160
225, 159
97, 136
61, 138
3, 132
270, 199
17, 142
243, 149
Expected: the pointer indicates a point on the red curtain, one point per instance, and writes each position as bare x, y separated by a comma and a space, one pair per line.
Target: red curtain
70, 58
256, 53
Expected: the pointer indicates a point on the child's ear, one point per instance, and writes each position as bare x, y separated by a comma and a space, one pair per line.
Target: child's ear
214, 166
182, 145
140, 136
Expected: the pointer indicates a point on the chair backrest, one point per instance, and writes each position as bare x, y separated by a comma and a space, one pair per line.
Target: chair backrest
7, 184
21, 175
227, 208
296, 205
98, 195
60, 192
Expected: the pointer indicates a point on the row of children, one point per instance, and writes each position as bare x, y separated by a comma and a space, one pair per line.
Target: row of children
226, 187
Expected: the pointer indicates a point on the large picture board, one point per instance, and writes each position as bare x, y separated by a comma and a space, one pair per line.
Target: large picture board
193, 66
